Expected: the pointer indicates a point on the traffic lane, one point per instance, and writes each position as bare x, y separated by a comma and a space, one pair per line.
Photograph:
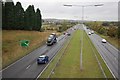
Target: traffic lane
109, 58
108, 46
111, 50
110, 54
105, 52
35, 69
25, 61
80, 26
22, 63
107, 49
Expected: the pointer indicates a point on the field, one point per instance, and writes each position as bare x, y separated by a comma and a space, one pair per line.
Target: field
11, 49
69, 65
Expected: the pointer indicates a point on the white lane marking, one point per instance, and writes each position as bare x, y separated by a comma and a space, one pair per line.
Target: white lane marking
104, 60
28, 66
21, 58
113, 47
48, 64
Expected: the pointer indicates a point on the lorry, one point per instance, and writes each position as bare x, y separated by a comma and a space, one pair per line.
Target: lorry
51, 39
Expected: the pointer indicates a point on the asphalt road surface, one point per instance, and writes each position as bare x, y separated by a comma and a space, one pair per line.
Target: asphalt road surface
108, 52
27, 66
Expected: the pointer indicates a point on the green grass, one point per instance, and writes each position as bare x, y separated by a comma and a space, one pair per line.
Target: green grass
11, 49
105, 68
52, 64
69, 65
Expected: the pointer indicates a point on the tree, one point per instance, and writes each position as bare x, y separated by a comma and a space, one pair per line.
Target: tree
102, 30
38, 20
19, 16
105, 24
118, 30
29, 18
112, 31
32, 18
3, 16
15, 18
9, 15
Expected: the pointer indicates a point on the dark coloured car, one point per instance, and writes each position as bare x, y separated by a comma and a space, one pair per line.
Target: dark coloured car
68, 34
87, 28
42, 59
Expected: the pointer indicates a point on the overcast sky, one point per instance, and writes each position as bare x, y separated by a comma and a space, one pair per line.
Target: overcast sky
55, 9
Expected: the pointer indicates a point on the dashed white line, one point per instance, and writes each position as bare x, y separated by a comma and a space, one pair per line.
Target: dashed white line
28, 66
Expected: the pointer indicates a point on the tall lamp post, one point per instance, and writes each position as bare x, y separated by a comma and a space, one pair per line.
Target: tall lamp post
83, 6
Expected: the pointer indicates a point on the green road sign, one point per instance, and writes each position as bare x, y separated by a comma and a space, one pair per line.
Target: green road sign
24, 43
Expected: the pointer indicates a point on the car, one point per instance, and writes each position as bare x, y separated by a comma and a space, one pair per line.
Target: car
104, 41
92, 32
89, 33
68, 34
87, 28
42, 59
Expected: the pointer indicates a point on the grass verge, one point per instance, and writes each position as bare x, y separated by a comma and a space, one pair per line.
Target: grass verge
11, 49
69, 65
105, 68
52, 64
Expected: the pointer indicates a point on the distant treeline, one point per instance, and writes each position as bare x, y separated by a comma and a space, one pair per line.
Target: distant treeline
15, 18
111, 29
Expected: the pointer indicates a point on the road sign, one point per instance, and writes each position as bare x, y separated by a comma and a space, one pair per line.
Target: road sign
24, 43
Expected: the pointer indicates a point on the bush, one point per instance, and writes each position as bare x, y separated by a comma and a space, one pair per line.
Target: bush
102, 30
112, 32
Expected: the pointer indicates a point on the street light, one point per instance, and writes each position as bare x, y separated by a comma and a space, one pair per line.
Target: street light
69, 5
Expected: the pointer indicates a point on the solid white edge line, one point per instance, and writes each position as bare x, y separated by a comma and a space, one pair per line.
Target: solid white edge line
106, 63
47, 65
19, 59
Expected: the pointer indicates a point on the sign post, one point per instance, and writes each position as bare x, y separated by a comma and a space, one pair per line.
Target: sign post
24, 43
